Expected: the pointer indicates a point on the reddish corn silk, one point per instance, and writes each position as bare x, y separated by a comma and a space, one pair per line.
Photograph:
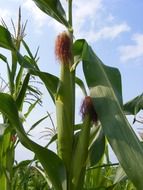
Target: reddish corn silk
63, 47
87, 108
13, 138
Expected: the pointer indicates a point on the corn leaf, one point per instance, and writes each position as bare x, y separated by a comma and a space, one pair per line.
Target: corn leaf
5, 39
24, 62
37, 123
22, 92
105, 89
96, 150
54, 9
31, 107
50, 81
80, 83
134, 106
52, 164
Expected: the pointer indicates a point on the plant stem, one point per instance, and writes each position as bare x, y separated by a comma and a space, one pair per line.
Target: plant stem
70, 29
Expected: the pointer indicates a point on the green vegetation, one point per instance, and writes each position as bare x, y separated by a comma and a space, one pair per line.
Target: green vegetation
82, 159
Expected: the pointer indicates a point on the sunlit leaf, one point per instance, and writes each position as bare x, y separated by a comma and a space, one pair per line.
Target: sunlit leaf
120, 175
105, 89
5, 39
54, 9
134, 105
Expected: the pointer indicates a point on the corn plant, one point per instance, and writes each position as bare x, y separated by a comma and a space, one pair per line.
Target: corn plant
18, 87
28, 177
80, 147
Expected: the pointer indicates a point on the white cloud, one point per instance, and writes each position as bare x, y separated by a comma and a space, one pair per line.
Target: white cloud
134, 51
6, 15
107, 32
82, 10
91, 20
38, 16
85, 10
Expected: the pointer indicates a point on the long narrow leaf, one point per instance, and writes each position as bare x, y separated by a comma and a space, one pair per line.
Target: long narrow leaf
22, 92
80, 83
37, 123
5, 39
96, 150
105, 92
50, 81
53, 8
134, 105
31, 107
52, 164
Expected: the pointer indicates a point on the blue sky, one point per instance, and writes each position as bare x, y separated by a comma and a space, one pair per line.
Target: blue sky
112, 27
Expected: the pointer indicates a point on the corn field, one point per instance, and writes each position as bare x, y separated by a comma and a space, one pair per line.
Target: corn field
81, 160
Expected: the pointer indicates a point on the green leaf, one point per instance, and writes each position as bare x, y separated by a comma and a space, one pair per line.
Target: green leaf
51, 82
18, 80
78, 50
5, 39
37, 123
96, 150
22, 92
53, 139
80, 83
78, 126
2, 57
95, 177
3, 127
30, 108
23, 163
54, 9
105, 92
32, 62
24, 62
120, 175
27, 49
80, 154
52, 164
134, 105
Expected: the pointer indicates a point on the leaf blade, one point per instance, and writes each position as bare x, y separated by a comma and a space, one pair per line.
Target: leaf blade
5, 39
116, 127
53, 165
54, 9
